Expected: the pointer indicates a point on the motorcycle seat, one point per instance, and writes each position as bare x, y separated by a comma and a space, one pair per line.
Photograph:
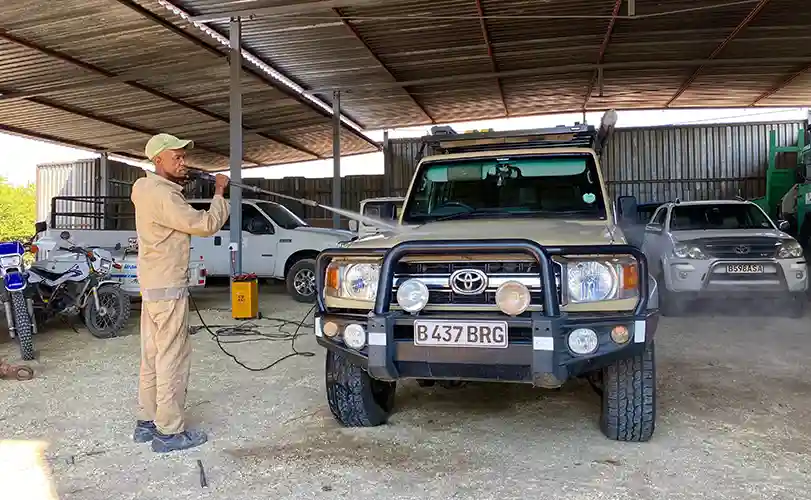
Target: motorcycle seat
49, 275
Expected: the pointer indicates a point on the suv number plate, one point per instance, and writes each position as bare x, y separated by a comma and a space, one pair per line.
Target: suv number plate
460, 333
745, 268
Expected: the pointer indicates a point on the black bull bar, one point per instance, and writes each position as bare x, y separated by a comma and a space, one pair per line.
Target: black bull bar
542, 254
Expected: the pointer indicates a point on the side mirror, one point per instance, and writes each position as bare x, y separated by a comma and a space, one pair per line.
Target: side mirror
353, 226
41, 227
65, 235
627, 207
783, 225
259, 225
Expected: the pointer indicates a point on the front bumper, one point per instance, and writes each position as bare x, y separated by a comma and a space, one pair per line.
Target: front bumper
711, 276
537, 351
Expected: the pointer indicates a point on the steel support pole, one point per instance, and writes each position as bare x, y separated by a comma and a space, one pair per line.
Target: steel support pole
336, 156
235, 147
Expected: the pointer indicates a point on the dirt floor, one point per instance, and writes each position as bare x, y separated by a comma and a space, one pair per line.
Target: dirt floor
734, 421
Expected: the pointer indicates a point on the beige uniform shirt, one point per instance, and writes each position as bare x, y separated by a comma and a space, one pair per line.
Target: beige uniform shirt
165, 223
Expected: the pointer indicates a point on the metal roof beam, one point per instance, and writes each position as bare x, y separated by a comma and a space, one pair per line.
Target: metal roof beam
357, 35
285, 89
568, 69
489, 44
743, 24
603, 47
286, 10
783, 84
115, 123
157, 93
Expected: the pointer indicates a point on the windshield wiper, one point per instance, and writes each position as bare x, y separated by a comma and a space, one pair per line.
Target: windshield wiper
483, 211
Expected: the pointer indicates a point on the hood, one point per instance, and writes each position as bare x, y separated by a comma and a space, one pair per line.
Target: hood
544, 231
337, 233
728, 233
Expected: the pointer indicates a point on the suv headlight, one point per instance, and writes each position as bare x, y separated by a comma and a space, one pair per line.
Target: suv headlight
11, 261
686, 251
790, 249
604, 279
352, 280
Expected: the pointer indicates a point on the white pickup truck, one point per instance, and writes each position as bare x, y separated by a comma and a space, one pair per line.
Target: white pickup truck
276, 244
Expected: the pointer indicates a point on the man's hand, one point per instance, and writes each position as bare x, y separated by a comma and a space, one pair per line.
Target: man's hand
220, 183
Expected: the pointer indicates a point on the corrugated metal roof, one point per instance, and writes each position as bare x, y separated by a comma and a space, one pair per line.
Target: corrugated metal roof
61, 67
518, 58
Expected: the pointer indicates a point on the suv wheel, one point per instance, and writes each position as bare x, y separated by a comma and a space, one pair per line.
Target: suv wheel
797, 304
355, 398
301, 280
629, 398
670, 303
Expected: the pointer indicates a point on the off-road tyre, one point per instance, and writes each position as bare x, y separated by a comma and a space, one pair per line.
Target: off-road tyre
355, 398
629, 398
122, 304
303, 269
23, 326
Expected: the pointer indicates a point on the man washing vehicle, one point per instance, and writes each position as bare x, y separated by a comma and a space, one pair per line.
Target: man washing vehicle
165, 223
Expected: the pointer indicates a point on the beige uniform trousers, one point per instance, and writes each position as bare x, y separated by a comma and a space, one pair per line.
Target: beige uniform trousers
165, 363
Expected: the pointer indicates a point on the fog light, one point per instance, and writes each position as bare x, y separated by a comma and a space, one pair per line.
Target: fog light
683, 275
620, 334
583, 341
512, 298
412, 295
355, 336
800, 275
330, 329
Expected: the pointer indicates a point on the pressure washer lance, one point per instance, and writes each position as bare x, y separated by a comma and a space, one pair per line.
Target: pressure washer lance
340, 211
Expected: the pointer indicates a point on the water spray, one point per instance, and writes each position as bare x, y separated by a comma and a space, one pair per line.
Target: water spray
349, 214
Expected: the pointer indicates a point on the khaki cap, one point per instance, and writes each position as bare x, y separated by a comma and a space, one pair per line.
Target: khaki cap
161, 142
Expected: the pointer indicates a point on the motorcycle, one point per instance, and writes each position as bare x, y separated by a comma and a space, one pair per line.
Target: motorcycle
73, 284
19, 308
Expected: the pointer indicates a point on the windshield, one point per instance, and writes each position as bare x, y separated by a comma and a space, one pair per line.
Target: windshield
721, 216
281, 215
520, 186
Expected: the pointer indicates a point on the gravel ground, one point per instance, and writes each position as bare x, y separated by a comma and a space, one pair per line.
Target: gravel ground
734, 421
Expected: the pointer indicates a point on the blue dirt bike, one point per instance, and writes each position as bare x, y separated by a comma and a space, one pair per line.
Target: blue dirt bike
19, 310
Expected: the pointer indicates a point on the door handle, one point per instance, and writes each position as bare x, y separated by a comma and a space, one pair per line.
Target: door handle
217, 241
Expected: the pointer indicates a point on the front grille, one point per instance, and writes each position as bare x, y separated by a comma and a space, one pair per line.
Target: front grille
740, 248
436, 276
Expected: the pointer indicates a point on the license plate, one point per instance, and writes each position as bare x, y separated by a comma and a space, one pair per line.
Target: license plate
460, 333
745, 268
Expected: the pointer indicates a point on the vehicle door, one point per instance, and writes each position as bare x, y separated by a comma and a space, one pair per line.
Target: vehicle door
214, 249
655, 242
260, 240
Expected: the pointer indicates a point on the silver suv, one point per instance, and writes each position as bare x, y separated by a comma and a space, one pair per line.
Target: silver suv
726, 248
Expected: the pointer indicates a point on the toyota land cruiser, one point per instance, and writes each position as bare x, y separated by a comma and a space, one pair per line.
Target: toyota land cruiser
507, 266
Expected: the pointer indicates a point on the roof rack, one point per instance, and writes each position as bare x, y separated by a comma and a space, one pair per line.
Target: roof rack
444, 139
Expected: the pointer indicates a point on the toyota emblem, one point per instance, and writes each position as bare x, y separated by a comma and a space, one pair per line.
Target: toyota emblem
468, 281
742, 249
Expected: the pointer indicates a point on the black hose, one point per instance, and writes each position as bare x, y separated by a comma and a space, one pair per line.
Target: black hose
251, 330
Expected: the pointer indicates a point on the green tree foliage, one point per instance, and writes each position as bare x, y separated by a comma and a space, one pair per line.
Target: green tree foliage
17, 210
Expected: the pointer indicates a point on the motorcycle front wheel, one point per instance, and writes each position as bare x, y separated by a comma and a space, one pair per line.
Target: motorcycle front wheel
114, 312
22, 325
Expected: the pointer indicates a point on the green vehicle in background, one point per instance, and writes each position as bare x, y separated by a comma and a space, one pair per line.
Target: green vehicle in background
788, 185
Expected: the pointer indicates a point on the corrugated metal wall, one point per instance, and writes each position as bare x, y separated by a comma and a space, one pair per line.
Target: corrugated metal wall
692, 162
661, 163
87, 178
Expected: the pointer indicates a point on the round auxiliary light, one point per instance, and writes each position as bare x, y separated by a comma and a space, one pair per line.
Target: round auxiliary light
330, 329
355, 336
583, 341
412, 295
620, 334
512, 298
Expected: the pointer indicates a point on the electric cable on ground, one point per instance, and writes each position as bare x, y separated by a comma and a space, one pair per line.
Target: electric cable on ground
251, 329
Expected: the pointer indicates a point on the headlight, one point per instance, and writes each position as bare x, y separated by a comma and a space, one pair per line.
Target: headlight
11, 261
598, 280
684, 251
790, 249
412, 296
357, 281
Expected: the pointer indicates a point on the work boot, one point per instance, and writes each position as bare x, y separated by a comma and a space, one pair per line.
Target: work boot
163, 443
144, 431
